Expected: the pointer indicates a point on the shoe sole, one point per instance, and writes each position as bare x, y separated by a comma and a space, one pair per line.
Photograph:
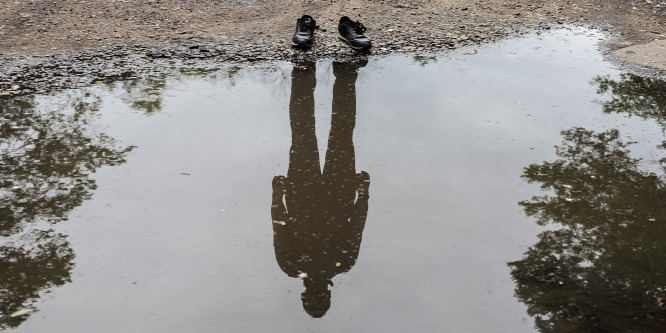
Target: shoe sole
302, 46
358, 48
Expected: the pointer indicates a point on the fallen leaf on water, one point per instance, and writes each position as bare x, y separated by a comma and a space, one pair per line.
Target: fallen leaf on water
337, 264
303, 275
223, 210
473, 52
99, 82
652, 220
21, 312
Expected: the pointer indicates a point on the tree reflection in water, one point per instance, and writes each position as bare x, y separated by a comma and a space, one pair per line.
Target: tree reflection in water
604, 268
34, 263
145, 95
635, 95
46, 159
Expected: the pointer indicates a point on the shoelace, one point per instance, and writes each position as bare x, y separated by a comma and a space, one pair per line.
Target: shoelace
359, 28
303, 27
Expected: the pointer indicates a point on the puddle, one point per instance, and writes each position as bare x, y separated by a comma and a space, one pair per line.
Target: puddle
154, 205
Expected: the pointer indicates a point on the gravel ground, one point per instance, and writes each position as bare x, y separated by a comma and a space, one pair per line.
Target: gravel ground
56, 44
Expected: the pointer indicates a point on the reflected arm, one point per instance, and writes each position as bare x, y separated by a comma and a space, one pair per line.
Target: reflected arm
359, 215
278, 209
361, 206
281, 234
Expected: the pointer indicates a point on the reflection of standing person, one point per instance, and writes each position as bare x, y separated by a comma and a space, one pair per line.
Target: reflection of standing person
318, 234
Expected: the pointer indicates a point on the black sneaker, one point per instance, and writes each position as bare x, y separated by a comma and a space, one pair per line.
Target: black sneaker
352, 33
304, 35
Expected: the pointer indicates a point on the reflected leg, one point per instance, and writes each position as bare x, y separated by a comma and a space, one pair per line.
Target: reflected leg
340, 165
304, 154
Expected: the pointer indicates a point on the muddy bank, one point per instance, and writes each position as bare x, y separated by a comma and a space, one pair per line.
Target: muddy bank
49, 45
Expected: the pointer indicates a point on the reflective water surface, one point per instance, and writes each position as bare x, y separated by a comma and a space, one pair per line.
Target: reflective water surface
520, 188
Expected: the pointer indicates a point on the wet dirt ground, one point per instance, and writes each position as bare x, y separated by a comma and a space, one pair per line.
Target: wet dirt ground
68, 43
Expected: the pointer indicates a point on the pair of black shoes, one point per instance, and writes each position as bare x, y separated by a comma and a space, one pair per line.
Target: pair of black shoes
348, 31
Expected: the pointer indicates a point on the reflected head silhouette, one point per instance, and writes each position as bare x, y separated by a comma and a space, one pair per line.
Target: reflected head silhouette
316, 298
318, 226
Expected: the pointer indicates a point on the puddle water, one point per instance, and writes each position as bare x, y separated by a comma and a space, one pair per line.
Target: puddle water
517, 189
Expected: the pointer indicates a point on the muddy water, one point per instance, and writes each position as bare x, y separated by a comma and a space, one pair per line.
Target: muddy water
154, 206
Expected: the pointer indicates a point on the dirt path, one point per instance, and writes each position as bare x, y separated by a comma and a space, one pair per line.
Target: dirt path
82, 34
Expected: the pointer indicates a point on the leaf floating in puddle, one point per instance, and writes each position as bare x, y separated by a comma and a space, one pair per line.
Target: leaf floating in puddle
223, 210
303, 275
21, 312
337, 264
